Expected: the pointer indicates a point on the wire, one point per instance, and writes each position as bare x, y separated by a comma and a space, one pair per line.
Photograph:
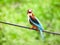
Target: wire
55, 33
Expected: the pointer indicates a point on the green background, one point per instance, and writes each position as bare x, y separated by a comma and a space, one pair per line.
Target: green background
15, 11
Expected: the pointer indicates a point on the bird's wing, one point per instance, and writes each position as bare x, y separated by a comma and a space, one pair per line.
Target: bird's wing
36, 22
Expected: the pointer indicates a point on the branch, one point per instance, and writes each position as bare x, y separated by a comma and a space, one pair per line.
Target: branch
55, 33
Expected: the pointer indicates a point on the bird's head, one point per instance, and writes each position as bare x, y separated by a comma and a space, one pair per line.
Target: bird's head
29, 12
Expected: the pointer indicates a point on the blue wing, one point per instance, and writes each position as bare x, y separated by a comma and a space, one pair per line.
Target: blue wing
34, 20
36, 23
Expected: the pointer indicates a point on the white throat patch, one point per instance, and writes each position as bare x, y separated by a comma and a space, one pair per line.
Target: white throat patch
30, 14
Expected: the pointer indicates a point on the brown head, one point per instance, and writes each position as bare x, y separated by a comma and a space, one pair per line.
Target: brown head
29, 11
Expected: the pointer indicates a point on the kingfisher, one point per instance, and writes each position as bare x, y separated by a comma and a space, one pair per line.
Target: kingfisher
35, 22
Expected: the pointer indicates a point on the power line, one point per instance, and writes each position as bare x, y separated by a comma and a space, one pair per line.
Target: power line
55, 33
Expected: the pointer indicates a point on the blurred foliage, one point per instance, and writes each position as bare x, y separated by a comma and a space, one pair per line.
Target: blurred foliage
15, 11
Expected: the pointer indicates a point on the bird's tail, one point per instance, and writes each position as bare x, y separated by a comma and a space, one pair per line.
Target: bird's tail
41, 33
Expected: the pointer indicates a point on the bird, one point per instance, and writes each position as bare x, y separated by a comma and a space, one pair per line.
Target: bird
35, 22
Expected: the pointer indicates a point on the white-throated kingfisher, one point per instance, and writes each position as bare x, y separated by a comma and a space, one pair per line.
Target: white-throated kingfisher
35, 22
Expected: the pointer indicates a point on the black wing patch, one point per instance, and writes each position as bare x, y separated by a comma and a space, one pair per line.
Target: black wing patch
34, 20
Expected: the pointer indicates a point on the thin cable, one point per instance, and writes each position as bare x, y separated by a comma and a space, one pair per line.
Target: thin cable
55, 33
